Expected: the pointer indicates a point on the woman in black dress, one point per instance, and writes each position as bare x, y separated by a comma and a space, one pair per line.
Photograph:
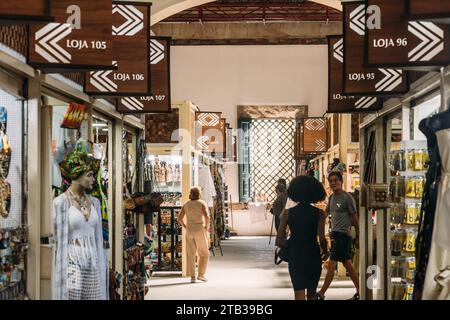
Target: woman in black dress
306, 224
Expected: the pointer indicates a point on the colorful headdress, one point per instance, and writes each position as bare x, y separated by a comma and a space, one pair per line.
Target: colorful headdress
76, 163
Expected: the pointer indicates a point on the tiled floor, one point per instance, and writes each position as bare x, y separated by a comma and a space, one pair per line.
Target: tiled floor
246, 271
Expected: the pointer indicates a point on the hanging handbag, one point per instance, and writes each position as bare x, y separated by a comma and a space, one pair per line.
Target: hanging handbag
282, 254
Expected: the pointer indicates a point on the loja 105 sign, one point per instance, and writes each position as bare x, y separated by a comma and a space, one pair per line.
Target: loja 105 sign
79, 39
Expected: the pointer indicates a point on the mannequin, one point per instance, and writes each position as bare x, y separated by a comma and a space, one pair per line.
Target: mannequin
434, 239
79, 271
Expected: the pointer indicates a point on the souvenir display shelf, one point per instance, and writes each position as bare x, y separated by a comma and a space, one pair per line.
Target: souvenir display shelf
408, 162
134, 269
167, 254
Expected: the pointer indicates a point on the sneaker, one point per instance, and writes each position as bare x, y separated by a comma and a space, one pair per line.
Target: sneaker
355, 297
319, 296
202, 278
192, 279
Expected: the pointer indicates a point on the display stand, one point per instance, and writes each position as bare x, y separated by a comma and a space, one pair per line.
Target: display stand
408, 164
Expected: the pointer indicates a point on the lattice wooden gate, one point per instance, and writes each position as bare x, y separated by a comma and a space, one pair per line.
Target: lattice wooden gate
272, 154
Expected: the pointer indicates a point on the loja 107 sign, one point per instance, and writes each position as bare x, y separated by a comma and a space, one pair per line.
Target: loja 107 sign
79, 39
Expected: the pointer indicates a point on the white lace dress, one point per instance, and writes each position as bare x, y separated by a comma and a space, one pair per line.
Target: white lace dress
83, 275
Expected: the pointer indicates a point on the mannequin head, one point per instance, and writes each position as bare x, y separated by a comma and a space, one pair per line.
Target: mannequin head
85, 181
80, 169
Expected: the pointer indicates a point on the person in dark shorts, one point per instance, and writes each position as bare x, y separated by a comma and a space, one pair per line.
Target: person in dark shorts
342, 208
306, 224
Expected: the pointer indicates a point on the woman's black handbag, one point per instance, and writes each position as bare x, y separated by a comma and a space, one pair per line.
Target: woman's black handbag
282, 254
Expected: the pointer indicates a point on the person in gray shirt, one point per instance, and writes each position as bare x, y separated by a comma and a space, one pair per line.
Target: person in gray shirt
342, 208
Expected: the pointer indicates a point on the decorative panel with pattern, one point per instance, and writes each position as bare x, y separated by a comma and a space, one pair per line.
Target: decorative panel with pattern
272, 155
162, 127
312, 136
209, 131
15, 37
336, 130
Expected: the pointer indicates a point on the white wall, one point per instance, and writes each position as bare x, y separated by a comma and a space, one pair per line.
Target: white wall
218, 78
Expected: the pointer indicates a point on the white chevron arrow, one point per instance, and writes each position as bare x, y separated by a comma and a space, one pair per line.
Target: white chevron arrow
358, 20
392, 79
156, 51
365, 102
134, 20
47, 39
132, 103
338, 50
432, 41
320, 145
202, 142
100, 80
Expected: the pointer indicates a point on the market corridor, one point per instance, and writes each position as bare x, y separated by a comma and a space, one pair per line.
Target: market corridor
246, 271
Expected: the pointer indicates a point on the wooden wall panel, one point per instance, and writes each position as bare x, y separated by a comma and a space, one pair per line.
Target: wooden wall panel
159, 127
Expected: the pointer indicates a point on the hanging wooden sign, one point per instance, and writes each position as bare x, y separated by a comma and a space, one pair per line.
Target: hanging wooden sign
337, 102
311, 136
358, 79
428, 10
209, 131
131, 31
392, 41
160, 100
25, 11
79, 39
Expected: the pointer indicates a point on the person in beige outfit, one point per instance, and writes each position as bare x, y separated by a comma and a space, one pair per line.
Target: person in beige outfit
197, 237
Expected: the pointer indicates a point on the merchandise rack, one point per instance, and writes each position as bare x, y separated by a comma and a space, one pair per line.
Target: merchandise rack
402, 264
173, 239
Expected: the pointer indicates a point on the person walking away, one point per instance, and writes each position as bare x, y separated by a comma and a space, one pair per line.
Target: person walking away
279, 204
306, 223
197, 236
342, 208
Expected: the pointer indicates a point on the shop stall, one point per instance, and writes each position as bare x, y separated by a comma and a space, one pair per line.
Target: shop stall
13, 218
173, 166
395, 155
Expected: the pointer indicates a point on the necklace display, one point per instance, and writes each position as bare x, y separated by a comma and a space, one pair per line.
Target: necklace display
82, 203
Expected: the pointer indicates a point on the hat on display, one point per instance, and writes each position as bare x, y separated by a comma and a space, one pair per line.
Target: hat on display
77, 162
